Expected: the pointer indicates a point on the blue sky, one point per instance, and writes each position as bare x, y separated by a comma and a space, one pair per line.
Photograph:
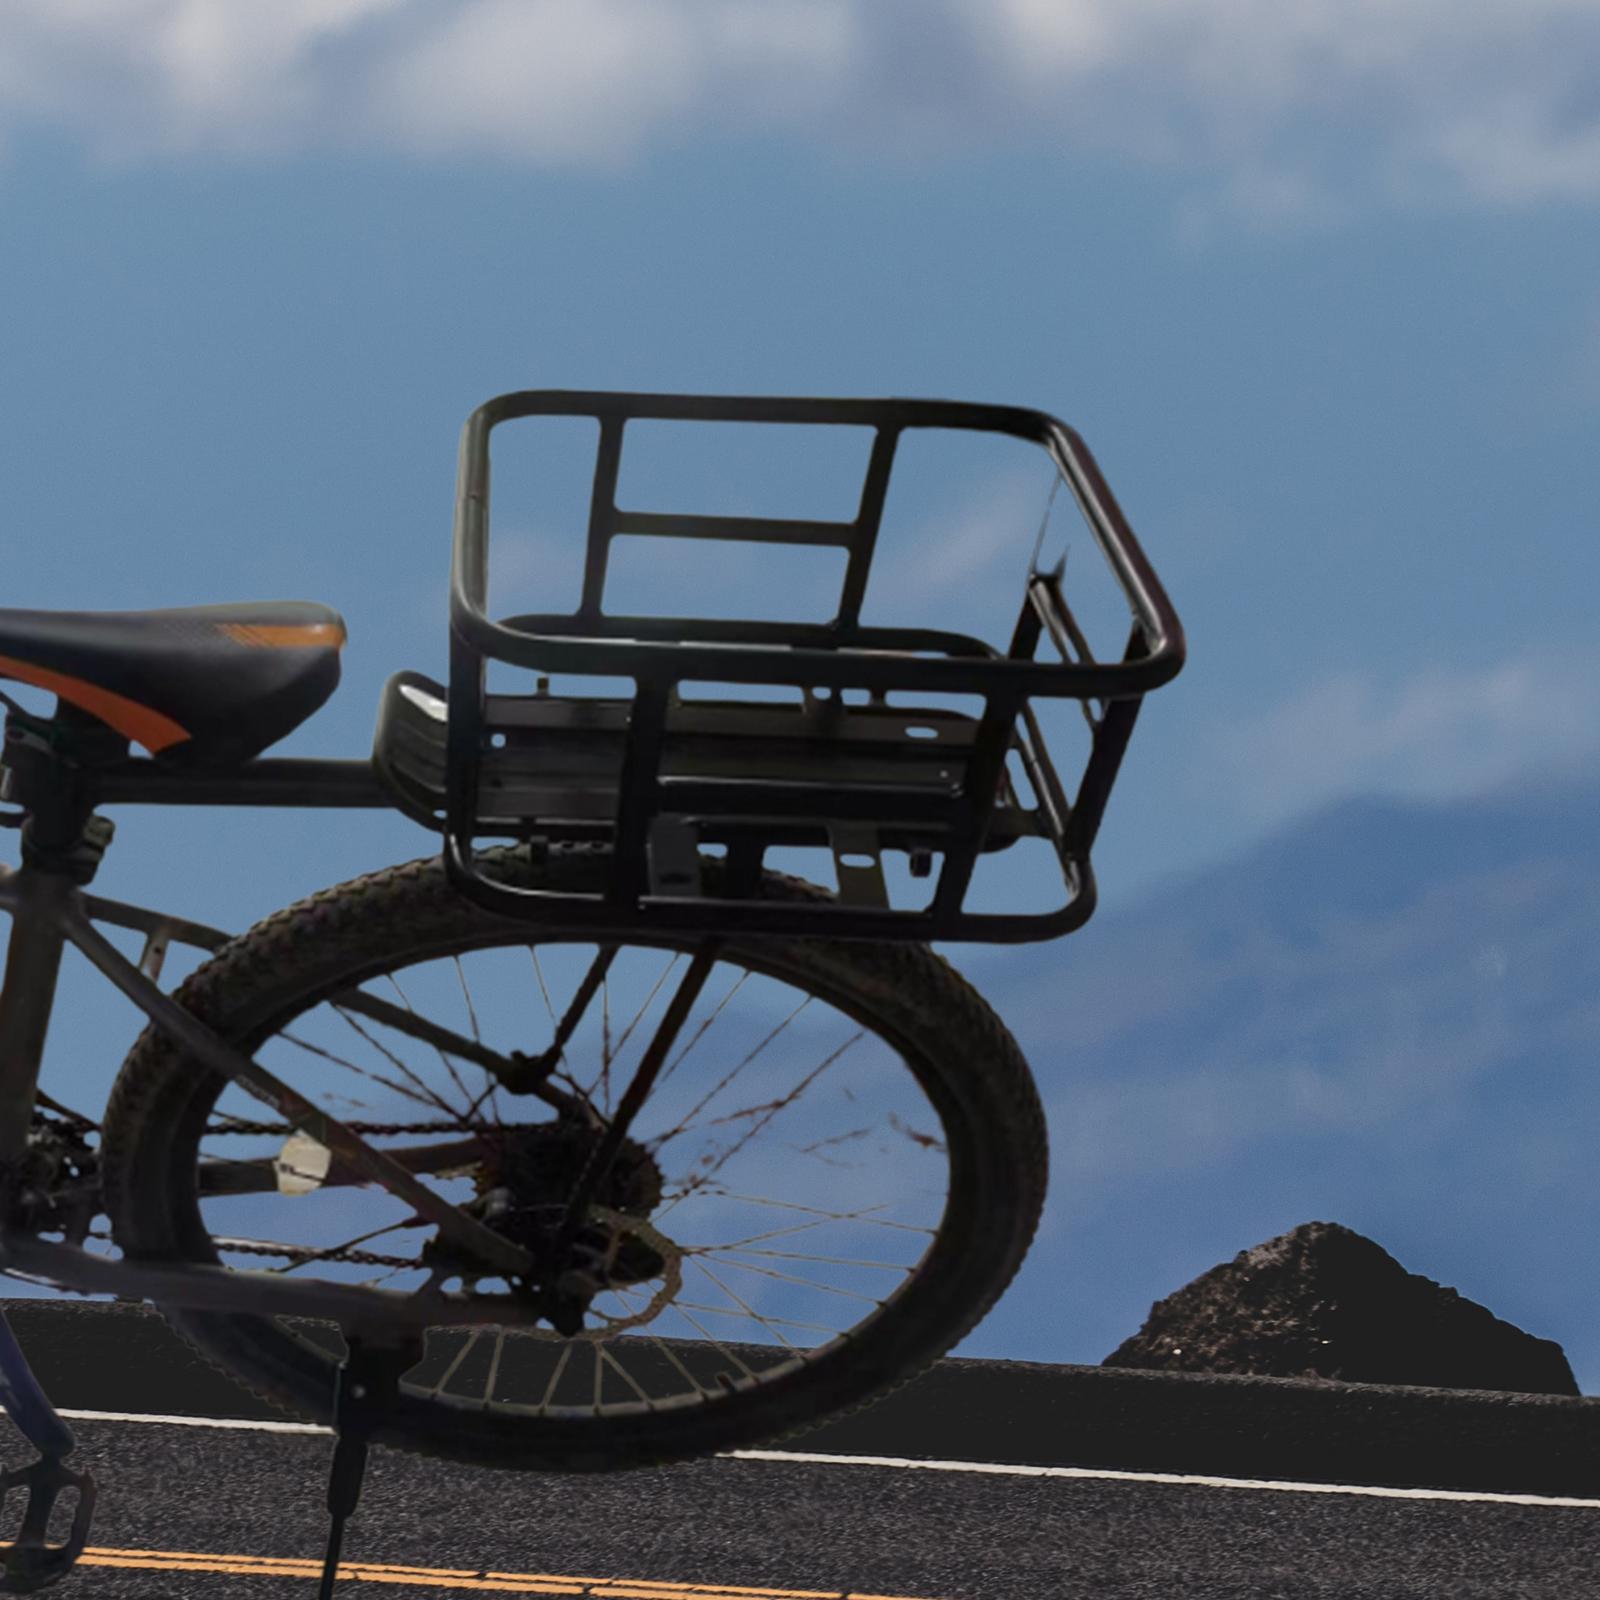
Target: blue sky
1318, 285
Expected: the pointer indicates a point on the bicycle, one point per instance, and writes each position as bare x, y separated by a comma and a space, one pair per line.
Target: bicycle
587, 1257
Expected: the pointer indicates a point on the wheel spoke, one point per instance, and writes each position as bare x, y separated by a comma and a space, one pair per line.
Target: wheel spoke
447, 1040
638, 1016
555, 1377
745, 1313
460, 1356
494, 1364
592, 980
789, 1277
444, 1060
422, 1096
705, 1027
466, 994
815, 1211
604, 1154
748, 1309
606, 1051
819, 1145
716, 1089
765, 1114
666, 1349
477, 1036
544, 988
753, 1097
605, 1354
801, 1255
684, 1307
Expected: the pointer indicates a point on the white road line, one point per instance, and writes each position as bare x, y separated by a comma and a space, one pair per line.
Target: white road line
995, 1468
1195, 1478
194, 1422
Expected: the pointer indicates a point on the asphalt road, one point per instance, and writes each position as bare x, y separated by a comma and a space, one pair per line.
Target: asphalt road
979, 1481
210, 1512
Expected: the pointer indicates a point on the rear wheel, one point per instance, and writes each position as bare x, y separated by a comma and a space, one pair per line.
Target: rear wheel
836, 1173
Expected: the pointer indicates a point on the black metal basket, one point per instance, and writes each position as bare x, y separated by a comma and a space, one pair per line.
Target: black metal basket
672, 783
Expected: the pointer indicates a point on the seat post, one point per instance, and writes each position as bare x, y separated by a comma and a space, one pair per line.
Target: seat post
33, 962
51, 772
62, 843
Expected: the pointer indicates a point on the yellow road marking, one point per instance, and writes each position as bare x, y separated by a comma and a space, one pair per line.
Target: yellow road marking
661, 1586
612, 1588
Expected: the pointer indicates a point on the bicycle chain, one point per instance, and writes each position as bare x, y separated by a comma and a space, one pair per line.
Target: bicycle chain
359, 1258
238, 1125
370, 1258
672, 1275
248, 1247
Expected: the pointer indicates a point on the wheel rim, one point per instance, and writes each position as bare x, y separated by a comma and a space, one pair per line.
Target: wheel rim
804, 1171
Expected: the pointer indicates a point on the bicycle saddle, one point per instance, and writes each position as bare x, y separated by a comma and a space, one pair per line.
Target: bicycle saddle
204, 684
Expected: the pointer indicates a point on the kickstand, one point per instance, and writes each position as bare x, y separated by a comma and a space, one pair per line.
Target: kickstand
31, 1562
364, 1392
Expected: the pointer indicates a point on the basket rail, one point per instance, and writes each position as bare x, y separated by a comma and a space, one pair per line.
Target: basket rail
658, 776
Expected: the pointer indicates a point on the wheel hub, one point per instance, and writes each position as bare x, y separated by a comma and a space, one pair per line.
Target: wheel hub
523, 1184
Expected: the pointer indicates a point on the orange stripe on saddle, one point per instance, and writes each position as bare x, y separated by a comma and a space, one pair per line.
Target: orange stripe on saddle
144, 726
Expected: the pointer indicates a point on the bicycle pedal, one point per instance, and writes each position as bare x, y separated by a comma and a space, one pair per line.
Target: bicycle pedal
30, 1562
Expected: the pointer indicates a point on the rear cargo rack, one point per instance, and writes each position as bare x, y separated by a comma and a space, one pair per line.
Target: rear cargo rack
672, 784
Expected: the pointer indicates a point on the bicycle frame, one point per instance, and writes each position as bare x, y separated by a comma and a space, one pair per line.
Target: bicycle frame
59, 772
649, 775
49, 911
63, 840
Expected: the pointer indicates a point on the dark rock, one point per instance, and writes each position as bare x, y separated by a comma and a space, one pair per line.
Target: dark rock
1323, 1301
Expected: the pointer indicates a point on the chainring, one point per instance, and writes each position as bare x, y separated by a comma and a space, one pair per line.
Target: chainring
54, 1185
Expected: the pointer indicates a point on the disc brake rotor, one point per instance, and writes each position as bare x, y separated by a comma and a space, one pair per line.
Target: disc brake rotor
522, 1186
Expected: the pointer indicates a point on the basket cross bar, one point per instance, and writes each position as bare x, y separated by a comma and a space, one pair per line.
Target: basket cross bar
690, 792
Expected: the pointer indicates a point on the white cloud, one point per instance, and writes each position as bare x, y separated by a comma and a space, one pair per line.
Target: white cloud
133, 77
1435, 734
568, 79
1282, 106
1521, 151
